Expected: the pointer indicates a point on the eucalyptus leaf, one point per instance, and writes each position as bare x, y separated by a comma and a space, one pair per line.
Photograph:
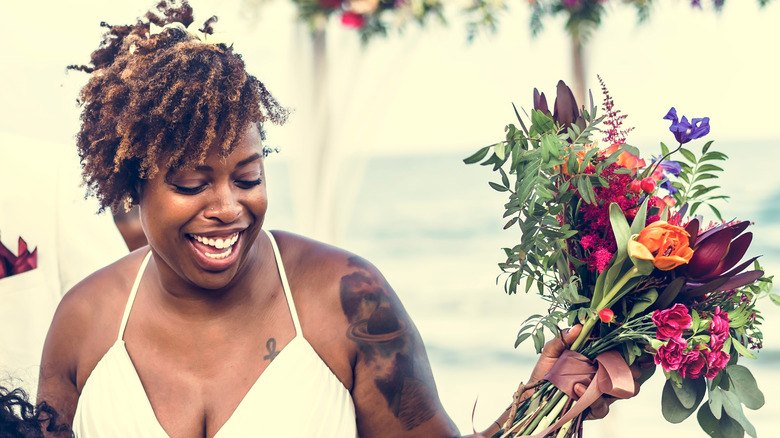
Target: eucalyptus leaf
672, 408
690, 392
723, 428
733, 407
716, 402
744, 385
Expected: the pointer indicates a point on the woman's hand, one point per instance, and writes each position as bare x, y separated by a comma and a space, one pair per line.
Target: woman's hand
552, 351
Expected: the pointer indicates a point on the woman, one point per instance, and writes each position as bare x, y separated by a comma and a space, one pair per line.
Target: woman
218, 327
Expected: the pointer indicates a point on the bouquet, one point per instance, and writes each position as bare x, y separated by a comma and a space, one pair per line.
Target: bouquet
24, 261
617, 243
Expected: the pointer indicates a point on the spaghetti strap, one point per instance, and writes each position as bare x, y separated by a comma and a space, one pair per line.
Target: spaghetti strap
285, 284
131, 298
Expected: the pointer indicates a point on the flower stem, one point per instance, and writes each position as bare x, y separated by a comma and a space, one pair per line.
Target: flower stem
588, 326
553, 414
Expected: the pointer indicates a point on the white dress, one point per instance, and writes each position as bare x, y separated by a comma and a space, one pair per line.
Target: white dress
296, 396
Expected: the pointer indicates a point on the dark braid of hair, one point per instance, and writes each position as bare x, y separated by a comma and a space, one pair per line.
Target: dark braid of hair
20, 419
162, 99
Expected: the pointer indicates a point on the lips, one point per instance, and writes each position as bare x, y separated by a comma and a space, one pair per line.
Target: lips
215, 251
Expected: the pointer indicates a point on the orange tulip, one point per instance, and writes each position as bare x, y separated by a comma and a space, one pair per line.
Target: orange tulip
625, 159
663, 244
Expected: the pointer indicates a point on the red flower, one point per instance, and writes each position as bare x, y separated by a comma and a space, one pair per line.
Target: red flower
648, 185
670, 355
716, 361
607, 315
11, 264
352, 20
671, 322
694, 364
719, 329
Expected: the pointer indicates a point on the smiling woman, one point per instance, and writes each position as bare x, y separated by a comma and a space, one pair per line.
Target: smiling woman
218, 327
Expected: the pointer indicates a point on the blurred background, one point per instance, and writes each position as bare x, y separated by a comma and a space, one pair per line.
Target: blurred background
371, 159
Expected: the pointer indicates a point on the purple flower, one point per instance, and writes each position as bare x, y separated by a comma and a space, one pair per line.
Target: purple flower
667, 167
684, 131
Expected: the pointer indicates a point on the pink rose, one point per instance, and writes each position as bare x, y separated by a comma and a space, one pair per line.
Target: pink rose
671, 322
716, 361
719, 329
693, 365
670, 355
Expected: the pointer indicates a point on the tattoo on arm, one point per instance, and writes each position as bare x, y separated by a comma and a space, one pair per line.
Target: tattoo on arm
270, 345
385, 337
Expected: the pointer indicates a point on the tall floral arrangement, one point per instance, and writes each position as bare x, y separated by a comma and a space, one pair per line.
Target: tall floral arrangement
617, 243
373, 18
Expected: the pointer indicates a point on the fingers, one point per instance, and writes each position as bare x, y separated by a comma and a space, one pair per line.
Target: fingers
599, 408
555, 347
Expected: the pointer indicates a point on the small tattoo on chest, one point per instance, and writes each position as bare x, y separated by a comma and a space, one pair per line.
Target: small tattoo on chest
270, 345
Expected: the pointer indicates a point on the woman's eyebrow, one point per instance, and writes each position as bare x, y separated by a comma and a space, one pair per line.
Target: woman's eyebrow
241, 163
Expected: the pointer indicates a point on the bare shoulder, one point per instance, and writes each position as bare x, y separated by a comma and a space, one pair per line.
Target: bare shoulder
389, 374
88, 317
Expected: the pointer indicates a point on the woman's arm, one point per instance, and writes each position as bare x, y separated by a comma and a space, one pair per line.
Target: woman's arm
394, 390
57, 384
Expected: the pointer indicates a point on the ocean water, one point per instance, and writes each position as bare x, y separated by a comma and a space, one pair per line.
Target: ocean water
433, 226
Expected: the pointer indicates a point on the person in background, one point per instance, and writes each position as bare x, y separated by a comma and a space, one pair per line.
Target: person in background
220, 327
52, 237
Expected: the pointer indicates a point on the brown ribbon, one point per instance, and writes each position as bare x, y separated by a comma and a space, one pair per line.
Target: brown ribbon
612, 377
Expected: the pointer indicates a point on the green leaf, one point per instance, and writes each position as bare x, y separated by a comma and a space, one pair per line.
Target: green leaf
733, 407
643, 302
477, 156
741, 349
497, 187
620, 228
691, 392
688, 155
723, 428
716, 402
522, 337
672, 408
500, 150
744, 385
541, 121
640, 219
538, 337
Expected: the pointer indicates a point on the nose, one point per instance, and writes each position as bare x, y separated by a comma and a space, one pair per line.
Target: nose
224, 205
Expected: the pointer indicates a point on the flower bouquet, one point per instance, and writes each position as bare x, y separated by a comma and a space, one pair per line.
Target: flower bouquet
11, 264
616, 243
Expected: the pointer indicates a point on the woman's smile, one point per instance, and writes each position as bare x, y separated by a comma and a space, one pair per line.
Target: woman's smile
215, 253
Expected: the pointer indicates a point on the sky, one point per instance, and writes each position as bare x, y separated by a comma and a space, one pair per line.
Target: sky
437, 91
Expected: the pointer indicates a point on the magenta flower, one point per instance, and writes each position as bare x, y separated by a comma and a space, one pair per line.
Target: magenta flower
694, 364
670, 355
685, 131
716, 361
11, 264
719, 329
671, 322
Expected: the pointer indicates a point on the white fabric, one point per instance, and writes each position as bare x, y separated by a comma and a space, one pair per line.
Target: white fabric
41, 200
296, 396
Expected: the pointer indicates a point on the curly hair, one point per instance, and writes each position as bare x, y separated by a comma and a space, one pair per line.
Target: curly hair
162, 99
20, 419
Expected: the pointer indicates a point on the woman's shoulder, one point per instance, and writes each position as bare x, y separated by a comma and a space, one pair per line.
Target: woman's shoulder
96, 303
321, 263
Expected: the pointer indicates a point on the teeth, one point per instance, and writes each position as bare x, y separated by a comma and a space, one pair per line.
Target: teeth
220, 255
218, 243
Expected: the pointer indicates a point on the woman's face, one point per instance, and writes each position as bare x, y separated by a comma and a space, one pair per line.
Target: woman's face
201, 223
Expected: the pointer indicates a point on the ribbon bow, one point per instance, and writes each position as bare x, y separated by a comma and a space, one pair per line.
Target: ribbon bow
608, 375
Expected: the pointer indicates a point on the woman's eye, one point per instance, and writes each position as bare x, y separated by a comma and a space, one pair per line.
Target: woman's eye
244, 184
189, 190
